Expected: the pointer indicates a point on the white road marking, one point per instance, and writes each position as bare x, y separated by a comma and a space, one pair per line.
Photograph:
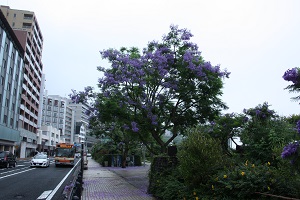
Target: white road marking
6, 172
45, 194
61, 182
16, 173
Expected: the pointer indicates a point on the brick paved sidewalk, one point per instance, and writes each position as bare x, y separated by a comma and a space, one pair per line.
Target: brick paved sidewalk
114, 183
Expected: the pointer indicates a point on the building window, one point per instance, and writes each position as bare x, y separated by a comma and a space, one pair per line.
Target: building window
4, 64
26, 25
19, 60
28, 16
6, 46
5, 119
15, 15
13, 24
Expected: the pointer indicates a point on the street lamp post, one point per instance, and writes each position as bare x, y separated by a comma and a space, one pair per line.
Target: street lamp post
143, 152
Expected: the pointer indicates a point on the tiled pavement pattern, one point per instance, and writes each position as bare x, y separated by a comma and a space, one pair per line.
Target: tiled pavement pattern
111, 183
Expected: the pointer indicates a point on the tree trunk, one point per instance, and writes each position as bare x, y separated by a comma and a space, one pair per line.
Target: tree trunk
124, 156
162, 149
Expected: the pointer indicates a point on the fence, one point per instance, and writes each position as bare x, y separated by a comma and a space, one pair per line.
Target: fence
73, 191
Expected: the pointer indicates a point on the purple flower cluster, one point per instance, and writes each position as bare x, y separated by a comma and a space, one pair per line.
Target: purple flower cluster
290, 149
134, 127
261, 111
125, 127
82, 96
68, 189
298, 126
292, 75
156, 61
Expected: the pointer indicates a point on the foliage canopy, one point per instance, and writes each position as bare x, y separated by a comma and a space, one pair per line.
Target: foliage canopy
169, 86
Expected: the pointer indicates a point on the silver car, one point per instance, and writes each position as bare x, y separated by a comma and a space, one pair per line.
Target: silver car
40, 160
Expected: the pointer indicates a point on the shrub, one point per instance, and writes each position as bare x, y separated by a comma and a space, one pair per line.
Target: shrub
170, 186
254, 181
200, 156
161, 167
287, 182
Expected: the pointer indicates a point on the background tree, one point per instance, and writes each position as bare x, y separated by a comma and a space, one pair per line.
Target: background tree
225, 127
168, 86
263, 133
293, 119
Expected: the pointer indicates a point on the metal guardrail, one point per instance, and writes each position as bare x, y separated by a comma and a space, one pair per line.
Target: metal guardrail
73, 191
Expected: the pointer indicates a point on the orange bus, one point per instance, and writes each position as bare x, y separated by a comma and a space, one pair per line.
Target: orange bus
64, 154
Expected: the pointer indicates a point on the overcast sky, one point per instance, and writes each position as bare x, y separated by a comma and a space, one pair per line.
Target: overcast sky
256, 40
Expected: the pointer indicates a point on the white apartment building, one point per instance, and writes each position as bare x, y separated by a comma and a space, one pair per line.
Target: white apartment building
57, 122
48, 137
81, 121
69, 125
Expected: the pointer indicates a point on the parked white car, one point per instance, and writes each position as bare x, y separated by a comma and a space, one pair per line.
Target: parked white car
40, 160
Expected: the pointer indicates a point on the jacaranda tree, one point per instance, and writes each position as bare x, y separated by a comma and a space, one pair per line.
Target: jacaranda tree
169, 86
